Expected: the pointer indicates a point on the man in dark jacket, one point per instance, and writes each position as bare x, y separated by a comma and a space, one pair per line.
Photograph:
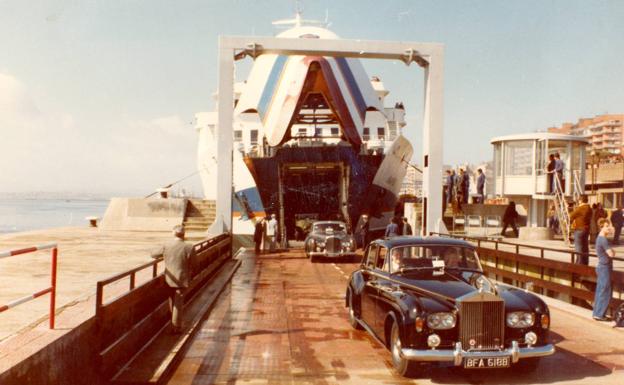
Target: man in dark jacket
509, 218
550, 170
364, 230
480, 186
464, 185
616, 220
581, 220
407, 228
259, 234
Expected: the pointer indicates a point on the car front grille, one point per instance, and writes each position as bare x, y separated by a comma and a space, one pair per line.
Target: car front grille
332, 245
482, 325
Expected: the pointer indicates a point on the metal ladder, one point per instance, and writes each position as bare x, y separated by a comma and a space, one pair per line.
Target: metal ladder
578, 189
561, 207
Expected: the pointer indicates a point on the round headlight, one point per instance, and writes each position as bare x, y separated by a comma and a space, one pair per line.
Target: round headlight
520, 319
441, 321
530, 338
433, 341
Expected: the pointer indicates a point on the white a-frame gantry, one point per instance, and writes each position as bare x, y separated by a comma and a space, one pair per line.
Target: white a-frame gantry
429, 56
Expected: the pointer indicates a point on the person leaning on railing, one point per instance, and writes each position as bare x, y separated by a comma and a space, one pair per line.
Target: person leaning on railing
581, 218
177, 255
604, 267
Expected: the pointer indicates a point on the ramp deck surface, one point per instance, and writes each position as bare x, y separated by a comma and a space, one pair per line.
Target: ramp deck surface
282, 320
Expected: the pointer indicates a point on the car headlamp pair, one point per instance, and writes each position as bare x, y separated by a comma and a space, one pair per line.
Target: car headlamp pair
520, 319
441, 321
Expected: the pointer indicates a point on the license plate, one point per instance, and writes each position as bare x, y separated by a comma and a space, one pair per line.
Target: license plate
486, 362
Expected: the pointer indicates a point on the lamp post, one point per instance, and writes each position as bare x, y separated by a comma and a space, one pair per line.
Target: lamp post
595, 159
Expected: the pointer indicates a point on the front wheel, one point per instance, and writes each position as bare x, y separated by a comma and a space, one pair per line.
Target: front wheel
402, 365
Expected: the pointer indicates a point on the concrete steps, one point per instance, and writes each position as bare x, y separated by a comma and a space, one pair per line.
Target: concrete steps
200, 214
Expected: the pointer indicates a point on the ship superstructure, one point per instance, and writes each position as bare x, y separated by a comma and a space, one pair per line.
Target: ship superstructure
312, 139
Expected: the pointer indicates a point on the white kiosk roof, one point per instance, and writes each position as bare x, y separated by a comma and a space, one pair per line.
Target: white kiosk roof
539, 136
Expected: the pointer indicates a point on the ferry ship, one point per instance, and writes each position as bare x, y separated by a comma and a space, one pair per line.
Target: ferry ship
313, 139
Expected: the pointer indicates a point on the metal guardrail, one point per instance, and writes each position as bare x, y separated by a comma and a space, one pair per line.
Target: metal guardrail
197, 249
127, 323
558, 279
51, 289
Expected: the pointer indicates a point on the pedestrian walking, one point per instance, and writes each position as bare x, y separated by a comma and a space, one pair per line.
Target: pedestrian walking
616, 220
480, 186
259, 234
177, 255
509, 219
581, 220
364, 230
603, 271
392, 230
272, 230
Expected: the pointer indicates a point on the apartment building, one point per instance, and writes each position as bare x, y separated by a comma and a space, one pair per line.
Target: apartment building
604, 132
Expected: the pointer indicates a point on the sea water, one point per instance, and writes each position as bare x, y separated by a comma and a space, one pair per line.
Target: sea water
33, 214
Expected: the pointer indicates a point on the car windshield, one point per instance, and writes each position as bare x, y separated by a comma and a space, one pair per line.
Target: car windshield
323, 227
415, 257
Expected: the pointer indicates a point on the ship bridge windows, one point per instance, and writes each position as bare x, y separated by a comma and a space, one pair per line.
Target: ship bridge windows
253, 137
366, 133
334, 131
381, 133
238, 135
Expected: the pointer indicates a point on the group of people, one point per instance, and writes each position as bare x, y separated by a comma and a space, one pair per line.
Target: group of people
590, 223
266, 234
398, 226
457, 188
555, 168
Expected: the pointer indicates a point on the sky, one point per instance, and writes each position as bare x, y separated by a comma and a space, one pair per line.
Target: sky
99, 96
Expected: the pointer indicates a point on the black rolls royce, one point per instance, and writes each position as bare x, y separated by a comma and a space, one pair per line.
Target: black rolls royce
329, 239
428, 300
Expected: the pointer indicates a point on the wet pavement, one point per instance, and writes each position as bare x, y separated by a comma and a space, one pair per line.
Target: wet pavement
282, 320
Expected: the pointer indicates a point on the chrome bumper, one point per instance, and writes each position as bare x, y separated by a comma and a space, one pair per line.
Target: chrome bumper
331, 255
458, 354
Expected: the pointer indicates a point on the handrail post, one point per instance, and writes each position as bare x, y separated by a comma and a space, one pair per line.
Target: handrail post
53, 288
99, 298
132, 280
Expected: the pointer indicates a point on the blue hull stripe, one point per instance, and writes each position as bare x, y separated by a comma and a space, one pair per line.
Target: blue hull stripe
354, 89
271, 85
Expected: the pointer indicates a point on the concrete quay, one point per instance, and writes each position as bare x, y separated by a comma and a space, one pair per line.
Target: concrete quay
85, 255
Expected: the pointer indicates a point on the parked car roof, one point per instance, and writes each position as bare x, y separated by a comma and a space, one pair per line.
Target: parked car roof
408, 240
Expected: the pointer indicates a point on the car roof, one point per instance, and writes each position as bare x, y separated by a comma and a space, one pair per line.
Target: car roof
415, 241
328, 222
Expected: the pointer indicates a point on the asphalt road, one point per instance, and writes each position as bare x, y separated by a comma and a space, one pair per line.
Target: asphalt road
282, 320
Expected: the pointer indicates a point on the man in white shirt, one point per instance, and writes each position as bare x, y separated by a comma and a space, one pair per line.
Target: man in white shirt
272, 232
